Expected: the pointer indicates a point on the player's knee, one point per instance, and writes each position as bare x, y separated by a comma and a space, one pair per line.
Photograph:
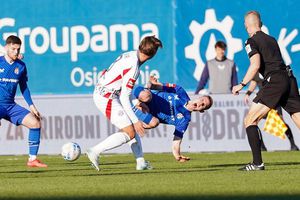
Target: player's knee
31, 122
248, 121
131, 134
34, 123
130, 131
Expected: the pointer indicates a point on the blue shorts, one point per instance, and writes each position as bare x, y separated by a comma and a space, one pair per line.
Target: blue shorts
13, 113
144, 117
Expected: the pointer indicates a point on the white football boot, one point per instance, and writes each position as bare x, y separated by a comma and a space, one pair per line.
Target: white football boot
93, 158
144, 166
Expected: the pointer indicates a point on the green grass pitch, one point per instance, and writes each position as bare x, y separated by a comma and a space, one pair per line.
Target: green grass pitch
206, 176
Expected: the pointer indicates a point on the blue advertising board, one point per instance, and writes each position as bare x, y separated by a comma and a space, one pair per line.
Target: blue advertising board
201, 23
67, 43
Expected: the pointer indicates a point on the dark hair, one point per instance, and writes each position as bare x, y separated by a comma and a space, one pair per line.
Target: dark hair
210, 100
221, 45
149, 45
12, 39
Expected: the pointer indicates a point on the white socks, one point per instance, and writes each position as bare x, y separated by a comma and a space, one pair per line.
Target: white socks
113, 141
136, 147
32, 157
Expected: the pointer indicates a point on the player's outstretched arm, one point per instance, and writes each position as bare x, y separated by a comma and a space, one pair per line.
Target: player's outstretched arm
153, 84
154, 122
176, 150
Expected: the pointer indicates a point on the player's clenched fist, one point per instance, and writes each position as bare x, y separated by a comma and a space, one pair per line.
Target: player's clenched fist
236, 89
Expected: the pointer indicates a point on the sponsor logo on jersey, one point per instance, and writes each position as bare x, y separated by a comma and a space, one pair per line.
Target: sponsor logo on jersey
2, 70
179, 116
248, 48
221, 67
130, 83
16, 70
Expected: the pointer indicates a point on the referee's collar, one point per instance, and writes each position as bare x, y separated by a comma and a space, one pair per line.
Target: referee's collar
256, 32
224, 58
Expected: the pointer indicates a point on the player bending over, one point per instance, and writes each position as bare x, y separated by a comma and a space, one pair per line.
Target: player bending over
112, 97
170, 104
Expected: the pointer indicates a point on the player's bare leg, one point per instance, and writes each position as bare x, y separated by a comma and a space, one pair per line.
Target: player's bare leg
256, 112
296, 119
113, 141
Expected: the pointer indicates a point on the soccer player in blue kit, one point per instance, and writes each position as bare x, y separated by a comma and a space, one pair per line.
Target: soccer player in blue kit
170, 104
13, 73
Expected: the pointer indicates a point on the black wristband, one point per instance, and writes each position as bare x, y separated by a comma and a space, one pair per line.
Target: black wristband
243, 84
248, 93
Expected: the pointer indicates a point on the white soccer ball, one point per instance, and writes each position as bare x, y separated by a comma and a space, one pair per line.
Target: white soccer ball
70, 151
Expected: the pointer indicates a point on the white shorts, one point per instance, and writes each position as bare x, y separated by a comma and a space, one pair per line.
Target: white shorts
113, 110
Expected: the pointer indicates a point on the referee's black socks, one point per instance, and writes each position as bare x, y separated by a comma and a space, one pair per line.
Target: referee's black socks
289, 135
254, 140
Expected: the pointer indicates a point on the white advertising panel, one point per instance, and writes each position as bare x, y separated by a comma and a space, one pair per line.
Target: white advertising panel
75, 118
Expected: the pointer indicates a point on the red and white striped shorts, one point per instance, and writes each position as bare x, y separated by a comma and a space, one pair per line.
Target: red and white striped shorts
112, 109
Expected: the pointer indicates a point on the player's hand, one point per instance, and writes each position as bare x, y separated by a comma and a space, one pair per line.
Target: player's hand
236, 89
20, 56
35, 112
182, 158
138, 126
152, 81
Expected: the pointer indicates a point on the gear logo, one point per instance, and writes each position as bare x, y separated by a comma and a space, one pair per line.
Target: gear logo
192, 51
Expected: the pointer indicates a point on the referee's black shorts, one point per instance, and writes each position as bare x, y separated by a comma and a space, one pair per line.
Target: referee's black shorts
280, 89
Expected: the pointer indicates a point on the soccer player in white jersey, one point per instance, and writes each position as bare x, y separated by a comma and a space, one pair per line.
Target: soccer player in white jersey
112, 97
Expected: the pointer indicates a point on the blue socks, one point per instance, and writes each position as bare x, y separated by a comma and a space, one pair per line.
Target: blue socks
34, 141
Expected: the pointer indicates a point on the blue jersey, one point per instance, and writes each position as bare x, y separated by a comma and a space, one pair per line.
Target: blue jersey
10, 76
169, 107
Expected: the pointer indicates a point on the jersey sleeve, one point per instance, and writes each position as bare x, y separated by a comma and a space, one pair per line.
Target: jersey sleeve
181, 128
24, 88
251, 47
144, 117
128, 83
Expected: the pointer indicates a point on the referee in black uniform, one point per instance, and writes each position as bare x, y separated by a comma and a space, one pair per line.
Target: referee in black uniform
258, 81
279, 86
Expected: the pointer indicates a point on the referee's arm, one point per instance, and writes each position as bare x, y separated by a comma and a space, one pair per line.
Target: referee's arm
253, 68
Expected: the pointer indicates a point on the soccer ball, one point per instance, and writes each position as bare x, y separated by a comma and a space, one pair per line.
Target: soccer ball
70, 151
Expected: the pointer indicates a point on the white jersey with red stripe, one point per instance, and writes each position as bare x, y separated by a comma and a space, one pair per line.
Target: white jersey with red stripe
118, 81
